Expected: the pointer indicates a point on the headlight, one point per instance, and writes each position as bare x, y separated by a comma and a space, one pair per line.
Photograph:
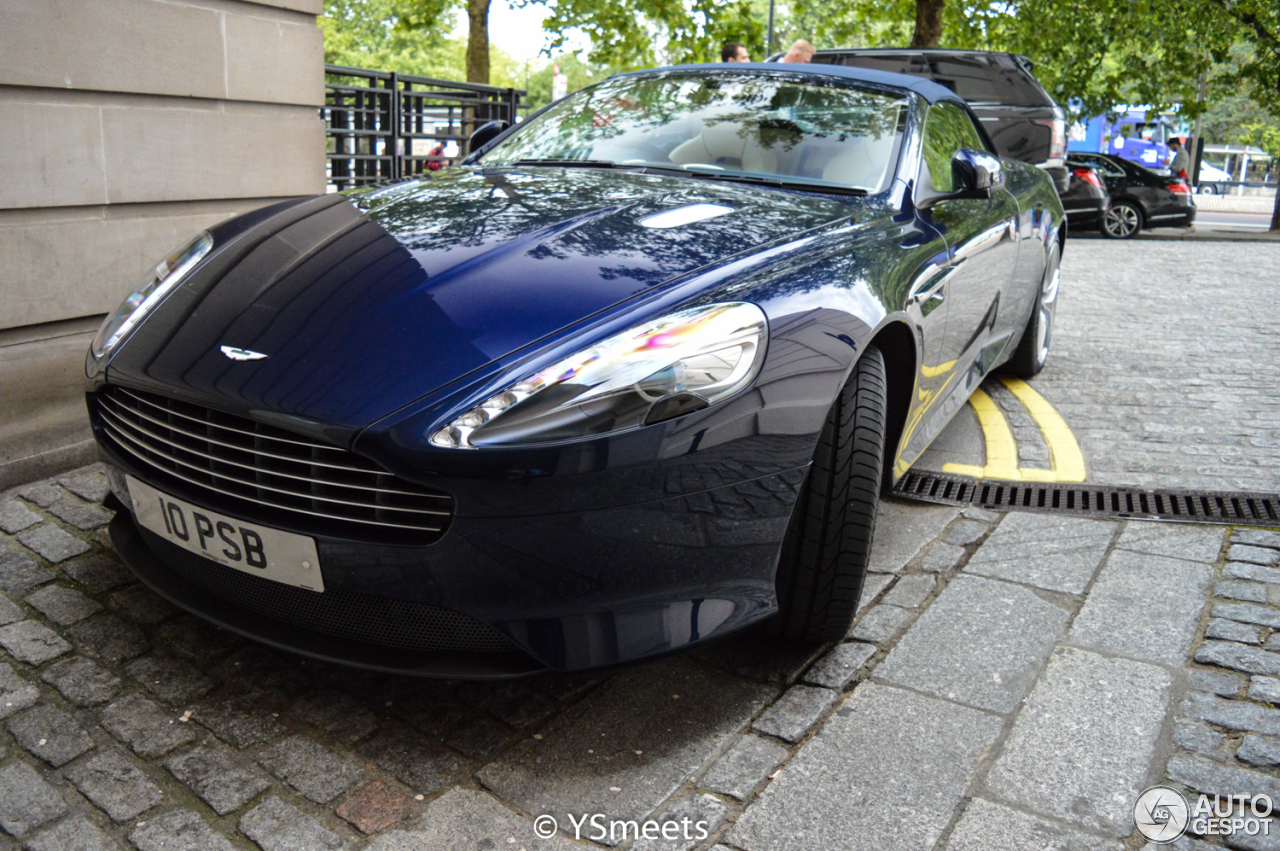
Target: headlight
167, 274
659, 370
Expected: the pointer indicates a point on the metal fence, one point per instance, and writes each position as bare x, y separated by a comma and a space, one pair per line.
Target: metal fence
383, 126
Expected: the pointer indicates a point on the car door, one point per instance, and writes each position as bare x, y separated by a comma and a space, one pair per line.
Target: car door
982, 245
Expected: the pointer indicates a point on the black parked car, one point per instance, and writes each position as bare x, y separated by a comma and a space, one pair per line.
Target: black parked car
1140, 198
1022, 119
1086, 200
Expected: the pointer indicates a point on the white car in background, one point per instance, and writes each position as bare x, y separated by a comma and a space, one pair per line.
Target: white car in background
1213, 180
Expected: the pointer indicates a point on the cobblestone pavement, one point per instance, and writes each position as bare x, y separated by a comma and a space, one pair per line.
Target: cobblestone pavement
1163, 365
1012, 683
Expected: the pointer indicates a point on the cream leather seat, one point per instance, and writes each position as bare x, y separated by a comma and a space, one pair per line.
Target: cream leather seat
861, 163
729, 145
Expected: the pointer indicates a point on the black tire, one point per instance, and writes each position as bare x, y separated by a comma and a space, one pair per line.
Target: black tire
1122, 221
824, 557
1033, 349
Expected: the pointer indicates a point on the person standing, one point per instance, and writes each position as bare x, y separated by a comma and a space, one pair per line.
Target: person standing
1181, 161
734, 52
801, 51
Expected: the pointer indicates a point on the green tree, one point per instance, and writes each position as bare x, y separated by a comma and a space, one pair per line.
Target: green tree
369, 34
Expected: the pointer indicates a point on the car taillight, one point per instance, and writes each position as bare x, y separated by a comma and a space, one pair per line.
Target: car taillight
1088, 175
1058, 142
1179, 188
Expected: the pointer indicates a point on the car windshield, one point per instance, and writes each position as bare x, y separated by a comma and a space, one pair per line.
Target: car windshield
765, 128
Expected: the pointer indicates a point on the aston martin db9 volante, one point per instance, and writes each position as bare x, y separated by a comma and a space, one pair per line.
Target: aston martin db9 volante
630, 377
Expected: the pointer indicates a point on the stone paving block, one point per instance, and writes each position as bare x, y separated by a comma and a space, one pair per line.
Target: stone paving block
88, 484
1210, 778
14, 516
982, 642
312, 769
97, 572
515, 702
143, 605
81, 514
336, 713
82, 682
43, 494
686, 823
795, 712
170, 679
885, 752
1088, 774
198, 640
411, 758
50, 734
52, 543
941, 558
903, 529
1199, 738
880, 623
911, 590
1233, 631
840, 665
108, 638
479, 738
240, 721
216, 778
1264, 556
74, 834
32, 642
1265, 689
1193, 543
19, 574
1256, 538
63, 606
9, 612
645, 731
1250, 592
1255, 572
965, 532
1248, 613
762, 657
16, 694
115, 785
744, 767
1238, 657
1232, 714
973, 512
1215, 682
986, 825
179, 830
461, 818
1260, 750
146, 728
872, 585
374, 807
1044, 550
1169, 593
26, 801
276, 826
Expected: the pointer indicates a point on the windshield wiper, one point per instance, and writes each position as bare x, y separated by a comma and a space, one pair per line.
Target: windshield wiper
568, 163
781, 181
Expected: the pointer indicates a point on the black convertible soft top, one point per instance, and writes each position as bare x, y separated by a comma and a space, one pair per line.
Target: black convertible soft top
927, 89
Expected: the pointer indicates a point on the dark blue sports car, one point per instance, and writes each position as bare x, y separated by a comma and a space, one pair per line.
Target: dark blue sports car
630, 377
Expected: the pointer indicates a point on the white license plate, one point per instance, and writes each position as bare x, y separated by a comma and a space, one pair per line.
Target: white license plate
257, 550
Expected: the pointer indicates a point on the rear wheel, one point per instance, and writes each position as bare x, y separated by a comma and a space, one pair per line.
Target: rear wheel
1122, 221
1033, 349
824, 557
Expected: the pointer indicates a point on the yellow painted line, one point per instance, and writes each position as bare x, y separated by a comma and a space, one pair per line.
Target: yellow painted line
1002, 452
1064, 453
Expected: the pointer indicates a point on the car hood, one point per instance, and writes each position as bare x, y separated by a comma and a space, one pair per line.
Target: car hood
365, 303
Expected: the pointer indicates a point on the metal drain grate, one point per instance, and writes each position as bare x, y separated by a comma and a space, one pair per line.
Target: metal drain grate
1249, 509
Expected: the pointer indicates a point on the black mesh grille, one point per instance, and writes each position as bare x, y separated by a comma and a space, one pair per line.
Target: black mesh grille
359, 617
267, 473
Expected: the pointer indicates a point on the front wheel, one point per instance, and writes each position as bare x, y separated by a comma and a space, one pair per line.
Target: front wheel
824, 556
1033, 349
1122, 221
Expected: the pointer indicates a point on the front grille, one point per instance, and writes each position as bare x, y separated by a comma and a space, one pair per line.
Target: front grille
360, 617
1100, 501
272, 475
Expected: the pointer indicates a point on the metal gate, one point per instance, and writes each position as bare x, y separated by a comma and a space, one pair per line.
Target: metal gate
382, 126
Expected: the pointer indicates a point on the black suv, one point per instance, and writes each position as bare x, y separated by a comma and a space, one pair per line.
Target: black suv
1022, 119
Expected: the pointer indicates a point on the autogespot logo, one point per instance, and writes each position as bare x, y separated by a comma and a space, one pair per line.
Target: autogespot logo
1161, 814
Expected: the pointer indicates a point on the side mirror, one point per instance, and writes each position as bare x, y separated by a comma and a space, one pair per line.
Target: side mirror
484, 134
976, 174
